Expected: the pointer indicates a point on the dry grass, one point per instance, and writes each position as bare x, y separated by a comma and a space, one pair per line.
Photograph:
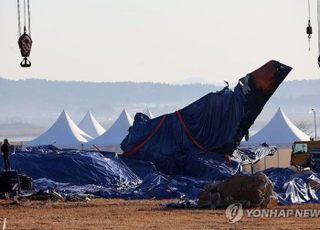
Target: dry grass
137, 214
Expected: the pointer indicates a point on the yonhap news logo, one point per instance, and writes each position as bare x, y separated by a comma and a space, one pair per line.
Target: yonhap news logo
4, 226
235, 212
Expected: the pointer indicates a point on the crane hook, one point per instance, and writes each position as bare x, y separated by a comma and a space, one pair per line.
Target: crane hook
25, 43
309, 32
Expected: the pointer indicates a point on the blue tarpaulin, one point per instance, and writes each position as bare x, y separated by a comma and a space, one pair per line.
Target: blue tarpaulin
75, 167
110, 176
294, 187
214, 125
253, 154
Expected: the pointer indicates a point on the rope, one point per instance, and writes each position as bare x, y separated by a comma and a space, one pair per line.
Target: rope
186, 130
29, 19
96, 147
138, 147
19, 23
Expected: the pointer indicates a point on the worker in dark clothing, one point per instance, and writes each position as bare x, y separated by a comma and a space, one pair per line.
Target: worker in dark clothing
5, 149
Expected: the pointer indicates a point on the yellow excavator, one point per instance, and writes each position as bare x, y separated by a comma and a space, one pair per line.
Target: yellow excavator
305, 154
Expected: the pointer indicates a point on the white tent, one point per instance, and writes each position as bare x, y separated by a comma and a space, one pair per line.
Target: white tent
112, 138
63, 133
91, 126
149, 114
280, 131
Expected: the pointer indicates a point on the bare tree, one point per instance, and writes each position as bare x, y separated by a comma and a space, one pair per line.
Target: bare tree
305, 127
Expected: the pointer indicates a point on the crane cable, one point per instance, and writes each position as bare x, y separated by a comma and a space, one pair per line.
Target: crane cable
24, 14
318, 17
309, 28
309, 9
19, 23
26, 17
29, 18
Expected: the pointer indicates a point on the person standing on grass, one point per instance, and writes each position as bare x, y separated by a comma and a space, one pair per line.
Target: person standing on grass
5, 149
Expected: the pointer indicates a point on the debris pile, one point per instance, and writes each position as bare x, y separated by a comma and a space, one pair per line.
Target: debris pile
251, 191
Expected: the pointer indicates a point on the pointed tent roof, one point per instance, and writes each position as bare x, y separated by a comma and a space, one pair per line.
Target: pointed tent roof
117, 132
148, 113
279, 130
91, 126
63, 132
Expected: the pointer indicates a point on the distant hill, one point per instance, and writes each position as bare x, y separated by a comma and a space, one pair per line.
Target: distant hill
297, 97
37, 100
36, 103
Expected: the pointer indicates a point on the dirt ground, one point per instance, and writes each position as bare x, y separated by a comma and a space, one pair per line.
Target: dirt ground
137, 214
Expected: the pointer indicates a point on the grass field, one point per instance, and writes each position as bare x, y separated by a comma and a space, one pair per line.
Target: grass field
137, 214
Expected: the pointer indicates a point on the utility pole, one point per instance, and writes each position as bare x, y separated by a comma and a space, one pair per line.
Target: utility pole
315, 123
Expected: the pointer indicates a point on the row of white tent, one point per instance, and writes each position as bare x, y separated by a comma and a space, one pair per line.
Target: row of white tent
64, 133
90, 134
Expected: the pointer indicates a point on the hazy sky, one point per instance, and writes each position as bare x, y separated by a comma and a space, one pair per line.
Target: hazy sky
158, 41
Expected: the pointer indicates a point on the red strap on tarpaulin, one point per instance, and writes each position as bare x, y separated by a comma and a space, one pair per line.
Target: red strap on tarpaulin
227, 158
151, 134
186, 130
194, 141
